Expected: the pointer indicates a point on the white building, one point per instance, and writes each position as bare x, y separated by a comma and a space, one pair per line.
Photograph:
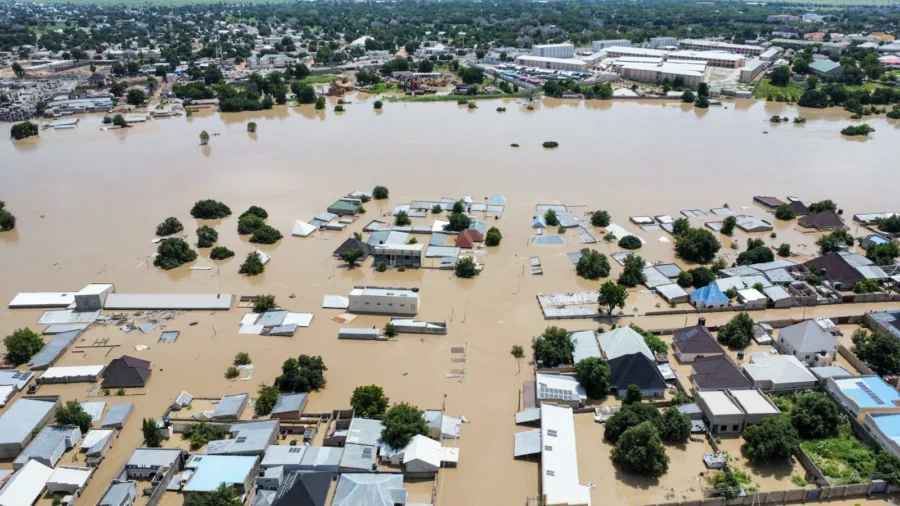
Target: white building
618, 52
714, 45
559, 389
384, 300
559, 459
721, 412
711, 58
778, 372
396, 255
552, 63
771, 54
554, 50
656, 42
597, 45
423, 457
691, 74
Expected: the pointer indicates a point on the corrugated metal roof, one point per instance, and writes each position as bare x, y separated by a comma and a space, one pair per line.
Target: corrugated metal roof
230, 405
22, 418
358, 456
370, 490
185, 301
118, 414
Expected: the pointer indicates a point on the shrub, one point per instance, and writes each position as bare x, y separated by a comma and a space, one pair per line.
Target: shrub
265, 235
242, 358
466, 267
436, 209
493, 237
199, 434
351, 256
23, 130
251, 127
759, 254
209, 210
784, 250
206, 236
7, 220
785, 212
389, 330
380, 193
773, 439
255, 211
232, 372
472, 105
249, 223
172, 253
517, 351
501, 109
554, 347
369, 401
551, 144
630, 242
221, 253
402, 219
320, 103
701, 103
592, 264
21, 345
600, 219
339, 108
401, 423
866, 286
738, 332
685, 279
855, 130
252, 265
169, 226
593, 374
728, 225
377, 105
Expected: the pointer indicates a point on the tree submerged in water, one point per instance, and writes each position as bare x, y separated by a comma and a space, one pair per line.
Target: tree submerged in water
551, 144
204, 138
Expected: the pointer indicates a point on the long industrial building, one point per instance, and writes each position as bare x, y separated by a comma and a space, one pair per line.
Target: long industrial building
618, 52
554, 50
384, 300
711, 58
543, 62
598, 45
691, 74
752, 69
713, 45
656, 42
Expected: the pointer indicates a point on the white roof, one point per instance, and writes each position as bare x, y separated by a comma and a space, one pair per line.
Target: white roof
637, 51
623, 341
719, 404
43, 299
66, 475
558, 386
568, 61
73, 371
302, 229
26, 485
383, 292
779, 369
429, 451
95, 289
559, 459
750, 294
718, 55
688, 69
94, 436
753, 402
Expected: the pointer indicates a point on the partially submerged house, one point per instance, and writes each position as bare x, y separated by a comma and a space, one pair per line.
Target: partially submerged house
346, 206
117, 415
230, 407
709, 297
717, 372
289, 406
778, 372
423, 457
383, 489
72, 374
352, 244
636, 369
145, 463
120, 493
247, 438
287, 457
69, 480
384, 300
695, 342
127, 372
210, 471
809, 342
822, 221
400, 255
49, 445
18, 423
623, 341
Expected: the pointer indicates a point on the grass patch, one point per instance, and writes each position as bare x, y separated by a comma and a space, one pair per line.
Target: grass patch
766, 89
843, 457
455, 98
379, 88
322, 78
798, 480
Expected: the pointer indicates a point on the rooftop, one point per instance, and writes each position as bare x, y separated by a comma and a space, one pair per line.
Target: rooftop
623, 341
717, 372
289, 402
230, 406
753, 402
808, 337
719, 404
22, 418
778, 369
869, 391
559, 460
370, 490
696, 339
210, 471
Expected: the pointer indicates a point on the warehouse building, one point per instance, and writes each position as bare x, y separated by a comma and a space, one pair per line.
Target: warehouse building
711, 58
618, 52
552, 63
714, 45
554, 50
598, 45
18, 424
656, 42
384, 300
752, 69
691, 74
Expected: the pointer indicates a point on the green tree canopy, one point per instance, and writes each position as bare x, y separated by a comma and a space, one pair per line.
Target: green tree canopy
172, 253
265, 235
351, 257
493, 237
593, 374
169, 226
210, 210
225, 495
773, 439
264, 303
206, 237
401, 423
633, 273
640, 450
757, 255
466, 267
674, 426
249, 223
630, 242
401, 219
785, 212
73, 414
880, 350
629, 416
600, 219
369, 401
303, 374
697, 245
728, 225
380, 192
21, 345
738, 332
815, 415
554, 347
551, 218
611, 296
633, 395
255, 211
592, 264
220, 253
153, 435
252, 265
267, 397
655, 344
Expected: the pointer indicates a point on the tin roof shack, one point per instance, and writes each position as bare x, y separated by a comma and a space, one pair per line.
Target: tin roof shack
346, 206
230, 408
117, 415
864, 394
383, 489
127, 372
289, 406
19, 421
210, 471
49, 445
120, 493
93, 296
247, 438
384, 300
69, 480
809, 342
695, 342
26, 486
885, 428
72, 374
720, 412
400, 255
299, 489
778, 372
52, 350
717, 372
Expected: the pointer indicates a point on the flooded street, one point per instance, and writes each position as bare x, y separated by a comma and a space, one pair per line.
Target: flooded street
88, 202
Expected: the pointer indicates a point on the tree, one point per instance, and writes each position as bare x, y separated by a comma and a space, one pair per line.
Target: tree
728, 225
655, 344
551, 218
640, 450
593, 374
251, 127
7, 219
633, 395
369, 401
879, 349
890, 224
390, 330
401, 423
815, 416
629, 416
687, 97
738, 332
773, 439
784, 250
757, 255
23, 130
118, 88
209, 210
402, 219
18, 70
172, 253
220, 253
887, 467
866, 286
204, 138
466, 267
320, 103
697, 245
302, 374
73, 414
252, 265
857, 130
21, 345
351, 257
378, 105
380, 192
702, 103
517, 351
612, 296
242, 358
249, 224
592, 264
225, 495
304, 92
471, 75
633, 273
265, 235
266, 400
553, 348
630, 242
884, 254
153, 435
458, 222
206, 236
493, 237
680, 226
600, 219
674, 426
823, 205
426, 66
835, 241
781, 76
135, 97
785, 212
702, 276
119, 121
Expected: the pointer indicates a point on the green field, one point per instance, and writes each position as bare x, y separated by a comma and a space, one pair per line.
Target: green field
454, 98
842, 3
767, 89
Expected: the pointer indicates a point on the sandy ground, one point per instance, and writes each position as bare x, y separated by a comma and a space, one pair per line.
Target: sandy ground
88, 202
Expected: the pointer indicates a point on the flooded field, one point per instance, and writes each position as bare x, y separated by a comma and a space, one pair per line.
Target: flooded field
88, 203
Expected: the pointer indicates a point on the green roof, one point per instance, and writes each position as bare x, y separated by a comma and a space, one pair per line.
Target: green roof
344, 205
824, 66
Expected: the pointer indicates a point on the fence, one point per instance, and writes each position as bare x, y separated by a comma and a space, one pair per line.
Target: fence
797, 495
854, 360
813, 473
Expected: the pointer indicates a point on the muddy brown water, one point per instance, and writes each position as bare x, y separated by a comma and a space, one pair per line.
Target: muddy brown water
88, 202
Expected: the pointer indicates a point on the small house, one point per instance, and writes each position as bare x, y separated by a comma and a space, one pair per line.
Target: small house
69, 480
695, 342
709, 297
636, 369
423, 457
384, 300
346, 206
809, 342
93, 296
49, 445
721, 412
623, 341
822, 221
289, 406
778, 372
127, 372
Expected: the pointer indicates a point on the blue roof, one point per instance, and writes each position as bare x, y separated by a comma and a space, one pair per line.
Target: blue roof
877, 239
889, 423
869, 391
210, 471
709, 294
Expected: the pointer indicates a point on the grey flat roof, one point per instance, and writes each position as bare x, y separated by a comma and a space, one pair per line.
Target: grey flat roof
153, 457
527, 443
230, 405
370, 490
365, 431
117, 414
247, 437
290, 402
116, 493
51, 351
46, 442
358, 456
184, 301
17, 378
321, 457
280, 455
22, 418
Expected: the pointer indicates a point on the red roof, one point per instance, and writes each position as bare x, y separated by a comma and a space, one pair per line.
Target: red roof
466, 239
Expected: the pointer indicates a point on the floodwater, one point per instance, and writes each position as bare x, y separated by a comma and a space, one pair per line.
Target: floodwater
88, 203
